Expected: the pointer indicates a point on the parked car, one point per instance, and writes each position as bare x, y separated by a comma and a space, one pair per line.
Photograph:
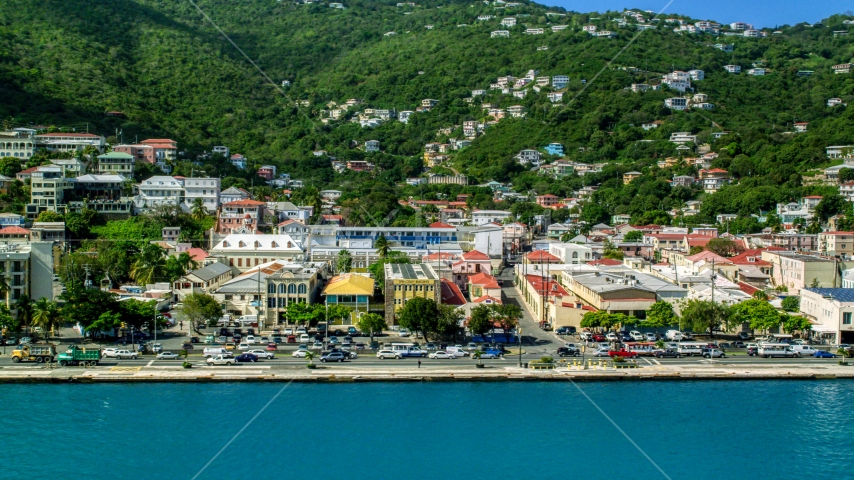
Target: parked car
302, 346
168, 356
667, 354
738, 344
300, 354
383, 354
636, 336
353, 332
611, 337
565, 330
288, 331
403, 332
272, 347
650, 337
441, 354
585, 336
599, 338
219, 360
337, 356
824, 354
156, 347
243, 346
430, 346
743, 336
246, 357
333, 340
359, 345
752, 351
568, 352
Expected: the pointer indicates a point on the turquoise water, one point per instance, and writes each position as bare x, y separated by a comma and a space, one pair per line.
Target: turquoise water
698, 430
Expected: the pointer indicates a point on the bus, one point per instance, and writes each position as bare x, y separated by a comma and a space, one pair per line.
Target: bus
691, 348
768, 350
641, 348
406, 349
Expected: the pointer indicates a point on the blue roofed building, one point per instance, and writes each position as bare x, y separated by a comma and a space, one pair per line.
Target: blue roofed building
831, 312
555, 149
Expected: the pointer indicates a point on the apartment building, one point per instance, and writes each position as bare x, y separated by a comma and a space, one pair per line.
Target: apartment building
69, 142
159, 190
244, 251
797, 271
207, 189
404, 282
17, 144
116, 163
293, 283
832, 312
241, 216
28, 270
48, 188
836, 243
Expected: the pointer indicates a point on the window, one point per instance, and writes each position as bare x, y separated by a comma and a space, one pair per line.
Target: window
282, 288
271, 288
292, 288
846, 318
302, 288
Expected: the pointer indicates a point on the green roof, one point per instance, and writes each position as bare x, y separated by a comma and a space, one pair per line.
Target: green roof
120, 155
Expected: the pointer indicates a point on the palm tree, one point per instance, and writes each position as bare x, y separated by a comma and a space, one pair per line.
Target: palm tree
46, 316
198, 210
148, 266
4, 288
383, 246
24, 306
185, 260
309, 356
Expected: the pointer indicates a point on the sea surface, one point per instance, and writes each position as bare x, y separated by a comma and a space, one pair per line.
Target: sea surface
697, 430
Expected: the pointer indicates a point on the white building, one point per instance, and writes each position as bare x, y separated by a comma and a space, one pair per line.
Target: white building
482, 217
697, 75
244, 251
508, 22
159, 190
372, 146
733, 68
676, 103
205, 188
559, 81
832, 310
500, 33
756, 72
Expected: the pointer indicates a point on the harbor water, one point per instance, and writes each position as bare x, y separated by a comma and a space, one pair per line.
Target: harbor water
479, 430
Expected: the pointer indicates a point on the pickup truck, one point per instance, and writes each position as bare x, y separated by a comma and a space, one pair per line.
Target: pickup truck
220, 360
622, 353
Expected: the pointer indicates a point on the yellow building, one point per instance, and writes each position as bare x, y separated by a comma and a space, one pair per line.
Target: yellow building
351, 290
406, 281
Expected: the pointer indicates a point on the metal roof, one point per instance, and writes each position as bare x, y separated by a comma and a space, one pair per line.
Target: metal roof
841, 294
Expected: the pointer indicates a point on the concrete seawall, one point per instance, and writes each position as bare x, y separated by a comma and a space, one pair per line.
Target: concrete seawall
334, 374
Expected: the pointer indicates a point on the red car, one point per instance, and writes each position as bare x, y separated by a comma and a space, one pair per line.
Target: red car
622, 353
598, 337
292, 339
271, 346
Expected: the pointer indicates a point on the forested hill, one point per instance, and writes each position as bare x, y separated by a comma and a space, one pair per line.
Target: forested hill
172, 74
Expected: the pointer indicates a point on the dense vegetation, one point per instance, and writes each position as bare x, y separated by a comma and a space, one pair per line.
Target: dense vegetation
172, 74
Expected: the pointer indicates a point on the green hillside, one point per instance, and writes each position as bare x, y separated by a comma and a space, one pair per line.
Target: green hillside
172, 74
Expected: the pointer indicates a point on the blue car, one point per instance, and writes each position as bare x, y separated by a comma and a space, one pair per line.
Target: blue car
824, 354
246, 357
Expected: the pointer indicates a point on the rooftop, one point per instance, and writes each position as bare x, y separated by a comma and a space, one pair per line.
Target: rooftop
407, 271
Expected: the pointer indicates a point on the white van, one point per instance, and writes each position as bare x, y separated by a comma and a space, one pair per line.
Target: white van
673, 335
304, 338
691, 348
585, 336
214, 351
247, 320
457, 352
804, 350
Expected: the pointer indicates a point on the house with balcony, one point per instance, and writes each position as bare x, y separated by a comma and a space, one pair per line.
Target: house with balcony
104, 194
159, 190
733, 68
676, 103
352, 290
548, 200
714, 179
267, 172
241, 216
244, 251
116, 163
206, 189
629, 176
555, 149
202, 280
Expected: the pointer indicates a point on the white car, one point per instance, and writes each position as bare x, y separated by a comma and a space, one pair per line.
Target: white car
441, 354
611, 336
108, 352
289, 331
304, 338
220, 360
601, 352
383, 354
572, 345
650, 337
168, 356
301, 330
636, 336
300, 354
403, 332
156, 348
261, 353
122, 354
488, 356
243, 346
250, 339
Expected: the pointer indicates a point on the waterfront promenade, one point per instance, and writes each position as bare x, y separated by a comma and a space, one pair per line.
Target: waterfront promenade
428, 372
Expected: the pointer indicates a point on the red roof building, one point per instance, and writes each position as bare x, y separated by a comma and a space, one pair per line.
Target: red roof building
451, 294
605, 262
541, 256
440, 225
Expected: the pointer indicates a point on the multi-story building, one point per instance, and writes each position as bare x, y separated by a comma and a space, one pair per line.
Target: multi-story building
28, 269
47, 191
207, 189
202, 280
104, 194
159, 190
116, 163
836, 243
17, 144
714, 179
244, 251
482, 217
352, 290
797, 271
404, 282
831, 311
69, 142
70, 167
293, 283
241, 216
676, 103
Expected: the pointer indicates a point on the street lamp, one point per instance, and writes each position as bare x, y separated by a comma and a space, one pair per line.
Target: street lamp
520, 347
